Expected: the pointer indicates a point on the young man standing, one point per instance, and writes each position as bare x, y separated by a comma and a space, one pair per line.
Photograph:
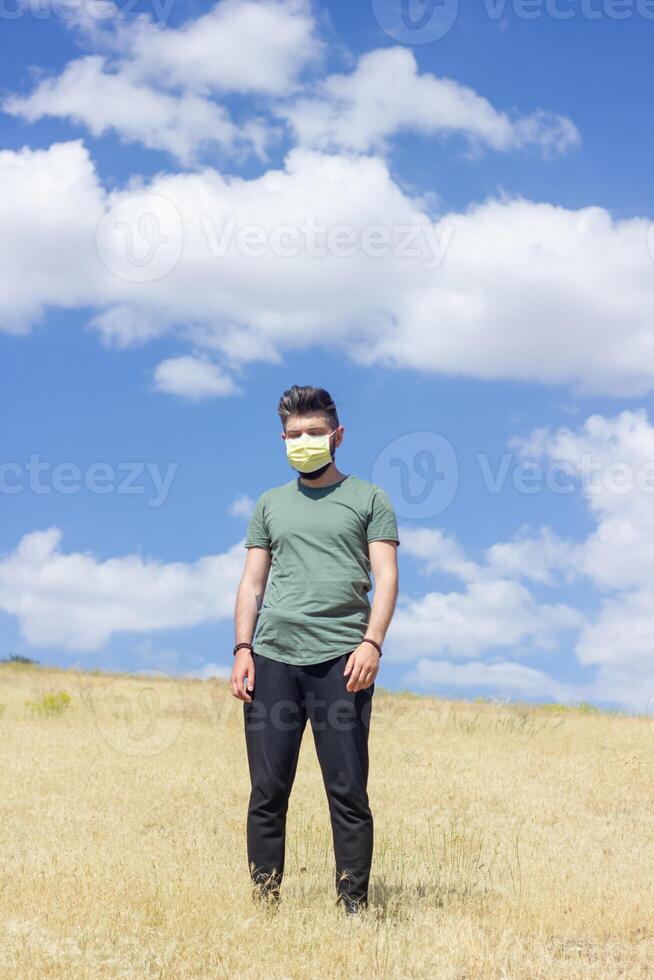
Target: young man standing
318, 642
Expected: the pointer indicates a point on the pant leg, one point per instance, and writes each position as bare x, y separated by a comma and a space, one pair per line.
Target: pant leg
274, 723
340, 722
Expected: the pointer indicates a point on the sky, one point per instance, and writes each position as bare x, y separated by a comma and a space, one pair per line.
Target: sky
440, 212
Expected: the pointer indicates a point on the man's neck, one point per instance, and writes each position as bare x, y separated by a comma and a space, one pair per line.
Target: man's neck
331, 475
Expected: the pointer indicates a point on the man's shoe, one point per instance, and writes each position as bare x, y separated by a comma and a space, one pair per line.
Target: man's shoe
265, 887
266, 891
266, 897
350, 906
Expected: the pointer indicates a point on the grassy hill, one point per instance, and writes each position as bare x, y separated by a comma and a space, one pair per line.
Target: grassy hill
511, 841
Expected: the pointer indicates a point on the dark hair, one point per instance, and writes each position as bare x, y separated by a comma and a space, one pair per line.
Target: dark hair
307, 400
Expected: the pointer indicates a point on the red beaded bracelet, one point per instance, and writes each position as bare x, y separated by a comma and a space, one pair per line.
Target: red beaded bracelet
239, 646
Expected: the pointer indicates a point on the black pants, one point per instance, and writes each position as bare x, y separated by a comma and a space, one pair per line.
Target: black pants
284, 696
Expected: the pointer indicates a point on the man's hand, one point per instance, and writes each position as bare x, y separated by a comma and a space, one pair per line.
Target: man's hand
361, 667
243, 670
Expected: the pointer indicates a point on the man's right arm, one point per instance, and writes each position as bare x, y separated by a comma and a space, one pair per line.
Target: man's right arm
248, 603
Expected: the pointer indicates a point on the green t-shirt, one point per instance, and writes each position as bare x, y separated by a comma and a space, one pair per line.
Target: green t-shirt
316, 602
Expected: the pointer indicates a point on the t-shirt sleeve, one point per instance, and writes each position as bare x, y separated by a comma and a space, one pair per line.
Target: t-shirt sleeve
382, 523
257, 533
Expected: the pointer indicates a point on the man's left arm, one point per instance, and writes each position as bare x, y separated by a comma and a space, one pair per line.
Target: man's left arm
363, 663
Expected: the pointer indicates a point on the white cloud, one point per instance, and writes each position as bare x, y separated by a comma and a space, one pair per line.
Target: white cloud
386, 94
103, 100
614, 460
248, 46
49, 211
438, 551
505, 677
493, 616
540, 556
490, 614
125, 324
77, 602
193, 377
242, 506
622, 634
524, 291
154, 84
208, 671
533, 292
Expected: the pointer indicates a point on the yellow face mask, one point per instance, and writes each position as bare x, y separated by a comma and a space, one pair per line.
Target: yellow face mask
307, 453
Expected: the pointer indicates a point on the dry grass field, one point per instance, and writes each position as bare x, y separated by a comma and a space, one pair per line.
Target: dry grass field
511, 841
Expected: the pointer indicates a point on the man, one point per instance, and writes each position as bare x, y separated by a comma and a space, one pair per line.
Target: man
318, 642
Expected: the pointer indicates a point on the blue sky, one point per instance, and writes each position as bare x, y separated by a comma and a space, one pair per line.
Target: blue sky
518, 331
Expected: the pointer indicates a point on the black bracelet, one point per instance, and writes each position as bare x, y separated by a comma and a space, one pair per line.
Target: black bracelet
367, 639
239, 646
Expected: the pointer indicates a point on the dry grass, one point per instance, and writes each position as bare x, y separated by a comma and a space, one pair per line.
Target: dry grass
511, 841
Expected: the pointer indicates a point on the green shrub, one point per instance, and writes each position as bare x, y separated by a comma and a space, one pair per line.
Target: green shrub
586, 708
50, 703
